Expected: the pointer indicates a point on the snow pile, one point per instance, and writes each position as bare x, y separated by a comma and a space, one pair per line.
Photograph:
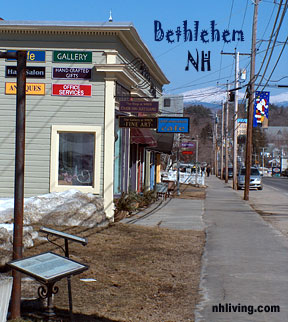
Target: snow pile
69, 208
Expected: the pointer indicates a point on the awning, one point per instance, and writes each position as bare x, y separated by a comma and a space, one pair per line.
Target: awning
164, 142
142, 136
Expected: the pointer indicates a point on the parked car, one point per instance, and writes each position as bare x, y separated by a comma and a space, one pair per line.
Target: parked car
255, 179
230, 172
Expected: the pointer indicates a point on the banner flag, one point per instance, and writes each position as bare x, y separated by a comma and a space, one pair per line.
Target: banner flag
261, 105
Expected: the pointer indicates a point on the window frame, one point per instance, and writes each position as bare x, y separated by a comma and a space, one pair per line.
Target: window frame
54, 157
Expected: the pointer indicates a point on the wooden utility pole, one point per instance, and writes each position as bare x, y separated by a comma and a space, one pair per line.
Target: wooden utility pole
250, 111
222, 141
226, 136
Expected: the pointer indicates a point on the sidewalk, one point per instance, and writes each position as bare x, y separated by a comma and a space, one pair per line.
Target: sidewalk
245, 262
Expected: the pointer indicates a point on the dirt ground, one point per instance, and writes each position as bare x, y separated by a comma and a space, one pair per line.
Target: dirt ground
141, 274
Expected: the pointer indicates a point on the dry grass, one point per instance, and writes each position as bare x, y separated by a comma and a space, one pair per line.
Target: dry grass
142, 274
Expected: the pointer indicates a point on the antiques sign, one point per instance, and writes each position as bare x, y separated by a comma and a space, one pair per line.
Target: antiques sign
138, 122
31, 72
71, 73
72, 56
71, 90
31, 89
139, 107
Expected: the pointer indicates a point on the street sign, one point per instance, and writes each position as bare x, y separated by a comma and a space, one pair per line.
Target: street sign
139, 107
138, 122
173, 125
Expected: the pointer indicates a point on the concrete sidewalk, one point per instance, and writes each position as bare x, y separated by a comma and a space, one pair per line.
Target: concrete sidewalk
245, 264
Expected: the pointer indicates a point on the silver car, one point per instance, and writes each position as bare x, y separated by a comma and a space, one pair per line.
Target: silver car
255, 179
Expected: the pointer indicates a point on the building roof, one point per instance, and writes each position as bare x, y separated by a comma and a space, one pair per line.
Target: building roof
125, 30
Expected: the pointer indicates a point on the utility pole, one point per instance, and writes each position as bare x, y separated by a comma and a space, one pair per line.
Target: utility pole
216, 146
235, 126
222, 142
251, 104
226, 135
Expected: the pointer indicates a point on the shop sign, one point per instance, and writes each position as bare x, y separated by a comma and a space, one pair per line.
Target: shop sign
31, 72
71, 73
139, 107
71, 90
72, 56
187, 152
138, 122
32, 55
31, 89
173, 125
187, 144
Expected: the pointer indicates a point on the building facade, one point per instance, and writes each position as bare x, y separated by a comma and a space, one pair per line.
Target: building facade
77, 73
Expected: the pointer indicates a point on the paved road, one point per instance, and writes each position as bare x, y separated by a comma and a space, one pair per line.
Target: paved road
277, 182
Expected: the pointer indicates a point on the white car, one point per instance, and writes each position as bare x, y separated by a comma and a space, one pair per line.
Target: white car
255, 179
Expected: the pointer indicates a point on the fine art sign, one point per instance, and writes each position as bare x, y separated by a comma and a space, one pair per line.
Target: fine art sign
31, 72
138, 122
138, 107
31, 89
173, 125
71, 90
72, 56
71, 73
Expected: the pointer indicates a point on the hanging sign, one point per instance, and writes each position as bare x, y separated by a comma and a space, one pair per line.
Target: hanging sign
139, 107
261, 105
32, 55
31, 89
71, 90
71, 73
72, 56
31, 72
138, 122
173, 125
187, 144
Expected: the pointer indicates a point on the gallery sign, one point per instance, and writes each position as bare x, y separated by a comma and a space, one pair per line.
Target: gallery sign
71, 73
72, 56
173, 124
32, 55
138, 122
71, 90
31, 72
139, 107
31, 89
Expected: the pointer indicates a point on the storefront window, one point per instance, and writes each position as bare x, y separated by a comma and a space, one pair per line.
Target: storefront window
76, 155
75, 158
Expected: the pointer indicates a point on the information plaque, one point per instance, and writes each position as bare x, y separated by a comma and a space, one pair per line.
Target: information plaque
47, 267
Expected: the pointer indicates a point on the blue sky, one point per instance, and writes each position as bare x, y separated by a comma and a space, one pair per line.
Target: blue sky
173, 57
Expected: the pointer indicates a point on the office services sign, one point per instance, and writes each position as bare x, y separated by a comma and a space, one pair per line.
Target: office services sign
187, 152
138, 122
139, 107
71, 73
32, 55
31, 72
173, 125
72, 56
71, 90
31, 89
